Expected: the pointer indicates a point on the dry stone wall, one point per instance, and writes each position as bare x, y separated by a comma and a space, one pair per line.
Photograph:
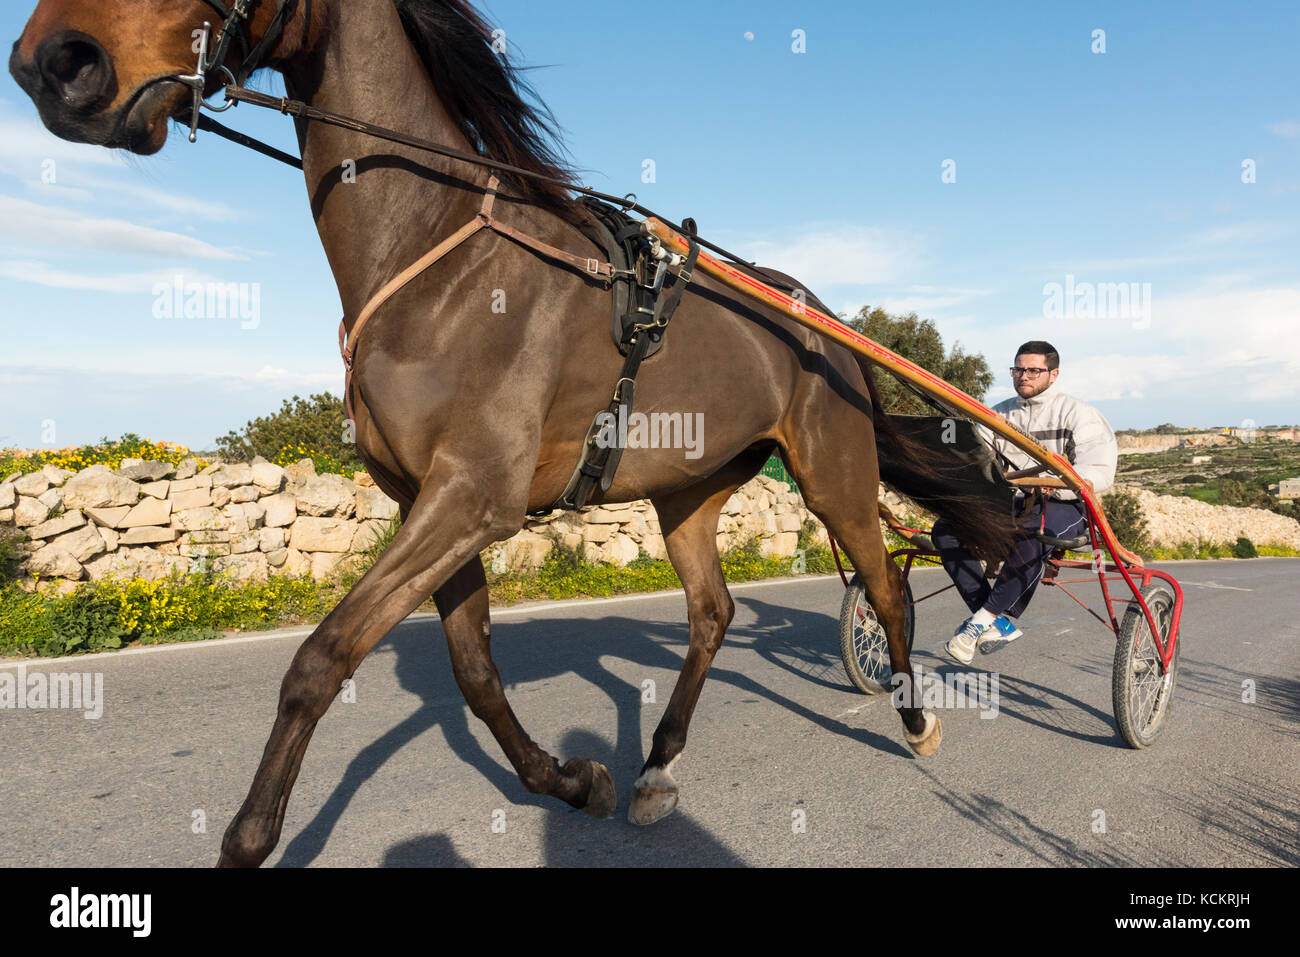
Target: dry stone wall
150, 519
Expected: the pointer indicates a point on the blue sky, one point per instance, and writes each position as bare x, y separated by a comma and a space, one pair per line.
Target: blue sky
1122, 167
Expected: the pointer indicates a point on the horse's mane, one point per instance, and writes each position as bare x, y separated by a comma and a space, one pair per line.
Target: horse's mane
488, 98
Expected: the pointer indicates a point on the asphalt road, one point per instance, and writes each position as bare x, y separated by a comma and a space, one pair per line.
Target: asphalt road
406, 776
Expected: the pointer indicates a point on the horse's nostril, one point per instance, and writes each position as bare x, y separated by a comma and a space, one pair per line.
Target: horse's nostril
78, 70
74, 62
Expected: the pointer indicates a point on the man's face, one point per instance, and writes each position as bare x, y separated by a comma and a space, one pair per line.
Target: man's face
1031, 383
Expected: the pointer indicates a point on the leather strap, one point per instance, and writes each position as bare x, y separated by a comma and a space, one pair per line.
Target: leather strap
484, 220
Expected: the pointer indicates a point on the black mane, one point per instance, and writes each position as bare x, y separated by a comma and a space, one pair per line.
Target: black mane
487, 97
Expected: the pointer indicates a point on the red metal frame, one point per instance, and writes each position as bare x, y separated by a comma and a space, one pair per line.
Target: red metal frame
1105, 574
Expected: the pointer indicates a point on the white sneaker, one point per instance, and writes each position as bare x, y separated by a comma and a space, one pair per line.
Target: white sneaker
998, 635
961, 647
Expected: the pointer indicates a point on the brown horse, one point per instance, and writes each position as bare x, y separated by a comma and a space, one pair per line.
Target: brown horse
475, 418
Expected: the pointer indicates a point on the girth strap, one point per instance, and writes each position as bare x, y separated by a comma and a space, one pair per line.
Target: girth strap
593, 268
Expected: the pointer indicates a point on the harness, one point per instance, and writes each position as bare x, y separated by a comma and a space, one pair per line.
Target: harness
636, 269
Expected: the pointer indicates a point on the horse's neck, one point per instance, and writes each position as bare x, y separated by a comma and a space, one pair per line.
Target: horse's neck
376, 206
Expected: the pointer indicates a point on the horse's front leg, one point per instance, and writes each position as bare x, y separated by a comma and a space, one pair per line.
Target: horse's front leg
449, 524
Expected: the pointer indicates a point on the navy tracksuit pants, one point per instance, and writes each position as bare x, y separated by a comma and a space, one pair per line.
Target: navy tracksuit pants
1011, 590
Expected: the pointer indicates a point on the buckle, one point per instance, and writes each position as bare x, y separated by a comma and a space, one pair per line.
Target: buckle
593, 267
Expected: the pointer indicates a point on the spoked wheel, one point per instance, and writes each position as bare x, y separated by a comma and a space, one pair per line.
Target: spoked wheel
863, 646
1141, 689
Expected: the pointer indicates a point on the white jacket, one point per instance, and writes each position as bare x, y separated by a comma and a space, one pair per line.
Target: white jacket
1062, 424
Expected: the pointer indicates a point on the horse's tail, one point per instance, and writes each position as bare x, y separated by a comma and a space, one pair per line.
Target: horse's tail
942, 465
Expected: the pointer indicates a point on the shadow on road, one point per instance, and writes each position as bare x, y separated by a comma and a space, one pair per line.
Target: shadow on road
538, 651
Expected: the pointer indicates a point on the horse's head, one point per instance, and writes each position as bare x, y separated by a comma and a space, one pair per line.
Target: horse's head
98, 70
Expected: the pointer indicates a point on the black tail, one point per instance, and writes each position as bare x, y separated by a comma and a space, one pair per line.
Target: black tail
941, 464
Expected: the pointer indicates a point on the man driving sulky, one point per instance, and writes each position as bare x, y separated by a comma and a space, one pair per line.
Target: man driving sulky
1061, 424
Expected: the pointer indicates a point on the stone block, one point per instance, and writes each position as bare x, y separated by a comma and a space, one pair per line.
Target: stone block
156, 489
277, 558
271, 539
254, 514
220, 496
324, 495
281, 510
91, 489
243, 568
245, 493
372, 503
269, 478
596, 534
147, 536
108, 517
150, 511
51, 498
145, 471
368, 532
52, 561
57, 476
83, 544
33, 484
57, 526
324, 565
8, 496
300, 472
192, 498
232, 476
245, 543
119, 566
314, 534
192, 519
780, 545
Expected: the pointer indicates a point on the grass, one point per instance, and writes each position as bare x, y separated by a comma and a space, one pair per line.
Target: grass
109, 615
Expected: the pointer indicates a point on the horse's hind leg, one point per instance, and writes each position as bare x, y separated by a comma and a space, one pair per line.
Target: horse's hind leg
689, 519
838, 473
463, 605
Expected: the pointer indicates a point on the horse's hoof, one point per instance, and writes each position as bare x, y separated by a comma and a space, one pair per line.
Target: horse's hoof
602, 799
927, 742
654, 796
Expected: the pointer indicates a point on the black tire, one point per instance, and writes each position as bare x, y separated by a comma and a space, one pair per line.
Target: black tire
1140, 691
863, 647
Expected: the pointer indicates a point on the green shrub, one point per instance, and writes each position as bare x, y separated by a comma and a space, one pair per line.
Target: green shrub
10, 557
1194, 479
86, 620
302, 428
1244, 548
1124, 512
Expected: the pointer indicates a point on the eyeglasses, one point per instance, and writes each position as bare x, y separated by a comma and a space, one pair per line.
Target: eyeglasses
1032, 373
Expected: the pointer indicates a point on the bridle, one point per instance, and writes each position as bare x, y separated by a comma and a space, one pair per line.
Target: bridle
234, 27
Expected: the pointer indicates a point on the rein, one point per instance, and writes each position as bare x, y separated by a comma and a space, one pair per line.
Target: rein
236, 93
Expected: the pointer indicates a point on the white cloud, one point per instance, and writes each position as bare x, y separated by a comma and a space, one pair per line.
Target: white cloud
43, 274
34, 224
1288, 128
838, 255
25, 145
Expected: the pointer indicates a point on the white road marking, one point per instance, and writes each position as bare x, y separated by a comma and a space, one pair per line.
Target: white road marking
1213, 585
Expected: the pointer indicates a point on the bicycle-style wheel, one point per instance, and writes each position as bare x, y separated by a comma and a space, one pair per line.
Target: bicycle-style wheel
1140, 688
863, 647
